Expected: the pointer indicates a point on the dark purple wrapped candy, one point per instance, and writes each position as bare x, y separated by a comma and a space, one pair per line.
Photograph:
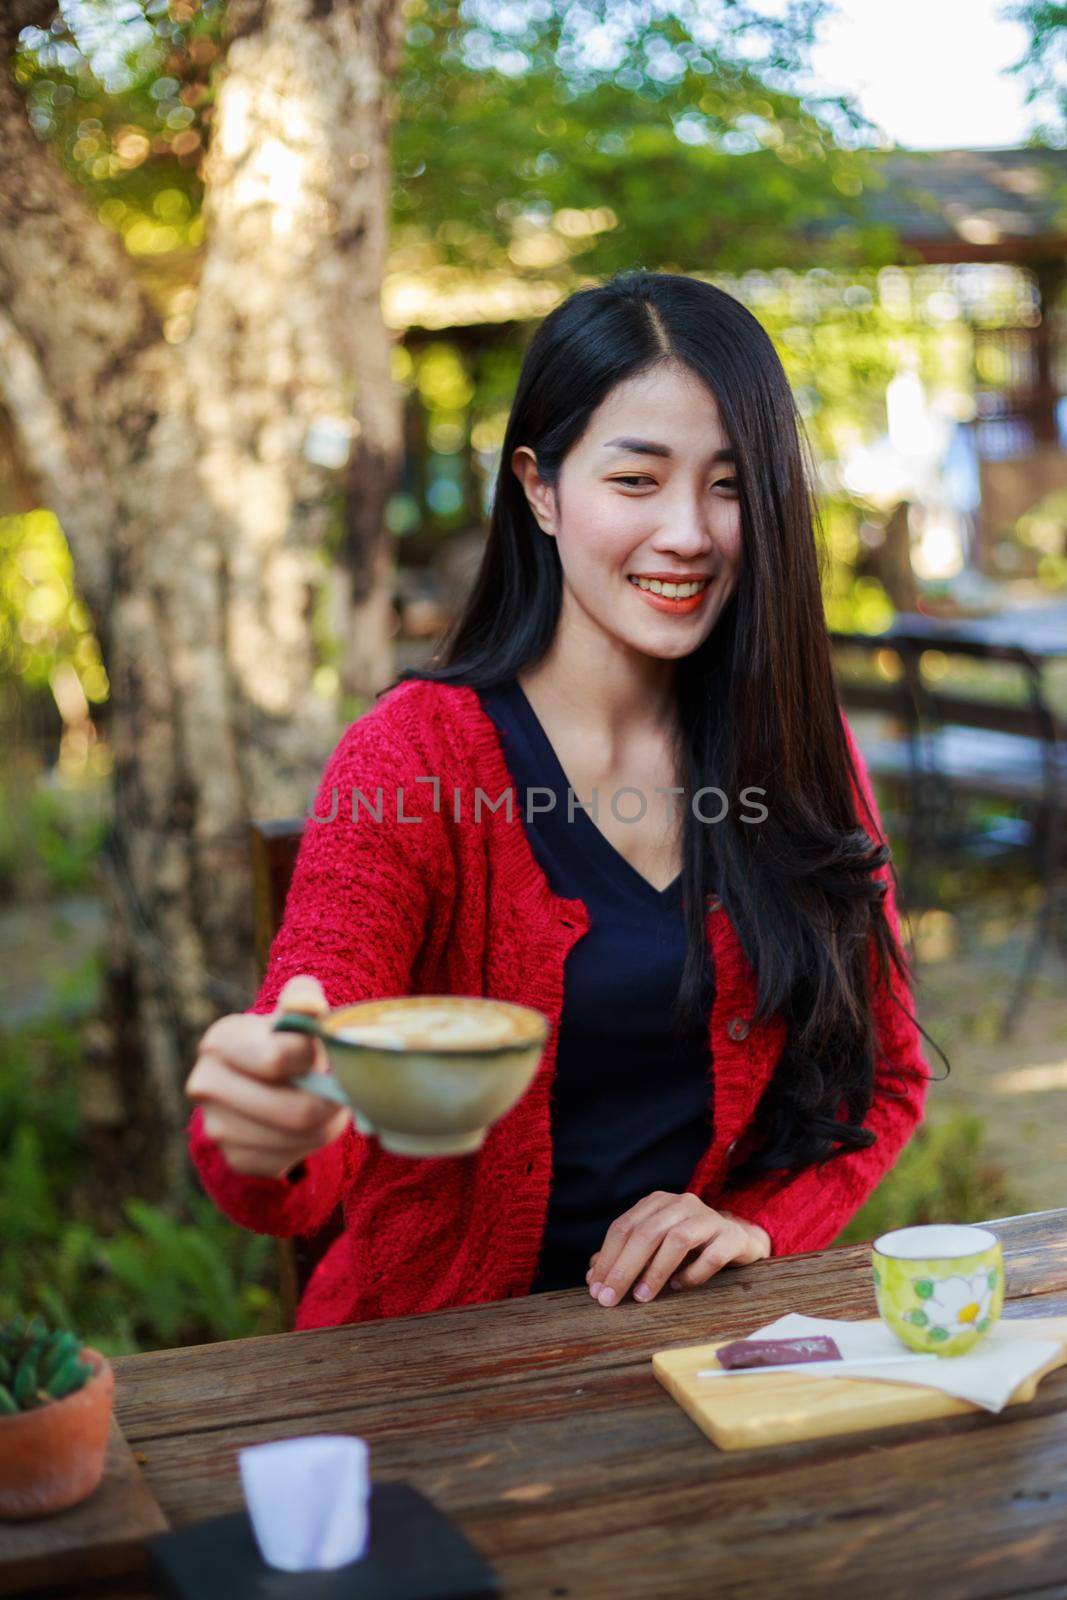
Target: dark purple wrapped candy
774, 1352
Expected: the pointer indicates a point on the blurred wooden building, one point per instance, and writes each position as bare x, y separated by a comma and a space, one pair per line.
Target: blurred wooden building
962, 208
987, 227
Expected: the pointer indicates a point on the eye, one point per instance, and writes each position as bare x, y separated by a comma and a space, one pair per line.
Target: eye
727, 483
634, 478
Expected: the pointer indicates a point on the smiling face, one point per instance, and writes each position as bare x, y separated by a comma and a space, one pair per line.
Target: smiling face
649, 493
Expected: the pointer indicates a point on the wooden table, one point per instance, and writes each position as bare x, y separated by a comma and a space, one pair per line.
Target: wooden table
1039, 629
538, 1425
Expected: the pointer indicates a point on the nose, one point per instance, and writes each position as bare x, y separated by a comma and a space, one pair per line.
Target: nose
686, 528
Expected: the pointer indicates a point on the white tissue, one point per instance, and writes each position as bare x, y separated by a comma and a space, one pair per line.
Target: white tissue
308, 1500
988, 1375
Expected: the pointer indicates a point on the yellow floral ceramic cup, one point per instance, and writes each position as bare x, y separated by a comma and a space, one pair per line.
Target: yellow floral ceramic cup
939, 1287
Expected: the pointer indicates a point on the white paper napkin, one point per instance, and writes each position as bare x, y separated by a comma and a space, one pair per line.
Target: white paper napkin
988, 1375
307, 1499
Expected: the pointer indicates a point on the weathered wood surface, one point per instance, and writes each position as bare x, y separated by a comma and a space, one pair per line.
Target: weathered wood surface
539, 1426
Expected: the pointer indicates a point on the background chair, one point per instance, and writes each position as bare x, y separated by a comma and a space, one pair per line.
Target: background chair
969, 722
988, 735
876, 685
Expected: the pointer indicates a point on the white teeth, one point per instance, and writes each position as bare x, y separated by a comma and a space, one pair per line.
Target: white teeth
673, 591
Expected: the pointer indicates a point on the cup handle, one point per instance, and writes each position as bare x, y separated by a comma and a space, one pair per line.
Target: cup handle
297, 1022
324, 1084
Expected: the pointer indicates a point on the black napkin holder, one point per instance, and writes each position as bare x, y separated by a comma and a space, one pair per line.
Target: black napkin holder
414, 1552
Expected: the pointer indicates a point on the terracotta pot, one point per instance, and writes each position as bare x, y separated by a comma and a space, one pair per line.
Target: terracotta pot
53, 1456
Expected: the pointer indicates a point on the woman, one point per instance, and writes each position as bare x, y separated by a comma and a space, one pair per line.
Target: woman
688, 876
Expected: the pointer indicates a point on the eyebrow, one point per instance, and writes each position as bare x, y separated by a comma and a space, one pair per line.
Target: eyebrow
648, 447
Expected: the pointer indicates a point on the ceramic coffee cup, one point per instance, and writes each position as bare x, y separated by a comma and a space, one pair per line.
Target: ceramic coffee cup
939, 1287
429, 1074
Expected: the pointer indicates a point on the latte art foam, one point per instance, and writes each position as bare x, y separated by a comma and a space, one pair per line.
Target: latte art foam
438, 1022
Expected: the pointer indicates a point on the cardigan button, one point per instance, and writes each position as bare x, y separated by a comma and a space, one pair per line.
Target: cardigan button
713, 902
737, 1028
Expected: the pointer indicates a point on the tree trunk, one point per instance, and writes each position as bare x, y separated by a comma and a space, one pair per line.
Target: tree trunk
194, 483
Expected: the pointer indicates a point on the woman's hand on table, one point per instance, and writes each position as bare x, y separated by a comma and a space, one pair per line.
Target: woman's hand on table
263, 1127
647, 1245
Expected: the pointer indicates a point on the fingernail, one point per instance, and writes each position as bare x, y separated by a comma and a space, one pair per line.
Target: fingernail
642, 1292
606, 1297
595, 1288
675, 1284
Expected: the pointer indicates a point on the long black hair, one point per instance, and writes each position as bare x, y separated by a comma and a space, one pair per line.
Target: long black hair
757, 700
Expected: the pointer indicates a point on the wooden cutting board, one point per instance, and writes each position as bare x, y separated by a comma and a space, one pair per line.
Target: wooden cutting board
102, 1537
746, 1413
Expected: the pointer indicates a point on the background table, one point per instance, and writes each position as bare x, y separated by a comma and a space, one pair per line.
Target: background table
1040, 629
537, 1424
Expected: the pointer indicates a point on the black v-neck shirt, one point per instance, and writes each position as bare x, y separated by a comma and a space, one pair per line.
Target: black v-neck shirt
631, 1100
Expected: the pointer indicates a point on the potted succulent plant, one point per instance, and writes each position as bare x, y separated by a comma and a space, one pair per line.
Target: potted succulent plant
55, 1410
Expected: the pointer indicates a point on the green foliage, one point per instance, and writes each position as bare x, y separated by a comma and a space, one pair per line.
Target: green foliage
944, 1174
132, 1277
547, 141
50, 838
524, 138
51, 676
42, 621
125, 95
561, 139
38, 1365
201, 1272
153, 1283
1041, 64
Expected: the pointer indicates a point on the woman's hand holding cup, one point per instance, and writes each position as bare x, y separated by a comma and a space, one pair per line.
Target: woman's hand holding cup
263, 1127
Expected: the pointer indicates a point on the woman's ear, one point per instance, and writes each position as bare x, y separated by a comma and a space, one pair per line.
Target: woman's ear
540, 496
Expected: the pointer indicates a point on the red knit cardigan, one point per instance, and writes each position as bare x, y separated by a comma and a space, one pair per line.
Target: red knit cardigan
434, 899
